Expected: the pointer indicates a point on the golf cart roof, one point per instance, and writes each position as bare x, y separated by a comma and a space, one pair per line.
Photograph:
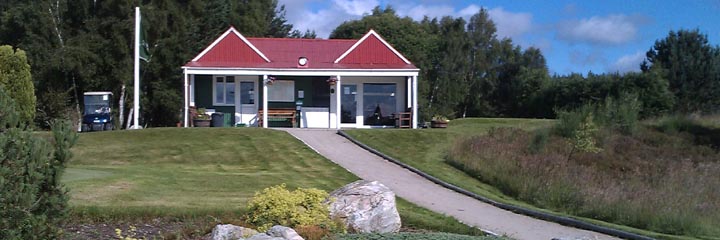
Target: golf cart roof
97, 93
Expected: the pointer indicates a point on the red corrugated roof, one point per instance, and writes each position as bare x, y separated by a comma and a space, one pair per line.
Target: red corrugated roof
233, 52
372, 50
232, 49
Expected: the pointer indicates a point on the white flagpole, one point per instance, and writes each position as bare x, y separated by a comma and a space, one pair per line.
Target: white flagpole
136, 86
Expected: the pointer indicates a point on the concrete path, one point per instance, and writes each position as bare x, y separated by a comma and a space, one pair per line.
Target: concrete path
422, 192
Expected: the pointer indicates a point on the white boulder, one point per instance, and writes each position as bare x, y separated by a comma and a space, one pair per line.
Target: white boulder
365, 207
277, 232
231, 232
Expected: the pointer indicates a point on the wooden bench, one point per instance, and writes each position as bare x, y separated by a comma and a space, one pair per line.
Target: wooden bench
278, 113
403, 119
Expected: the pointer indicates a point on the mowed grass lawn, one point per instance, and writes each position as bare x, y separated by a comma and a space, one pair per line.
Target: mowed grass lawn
199, 169
201, 173
426, 150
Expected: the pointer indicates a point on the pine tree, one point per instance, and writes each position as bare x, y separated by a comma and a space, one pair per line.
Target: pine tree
692, 67
16, 78
33, 202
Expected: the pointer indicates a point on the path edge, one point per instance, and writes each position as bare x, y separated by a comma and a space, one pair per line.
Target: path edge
520, 210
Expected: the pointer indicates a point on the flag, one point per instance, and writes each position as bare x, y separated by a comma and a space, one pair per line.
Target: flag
144, 46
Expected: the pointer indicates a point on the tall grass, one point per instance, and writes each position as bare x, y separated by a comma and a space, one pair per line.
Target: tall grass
650, 180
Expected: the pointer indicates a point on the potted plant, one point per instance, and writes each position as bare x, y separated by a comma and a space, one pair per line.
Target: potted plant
201, 119
439, 121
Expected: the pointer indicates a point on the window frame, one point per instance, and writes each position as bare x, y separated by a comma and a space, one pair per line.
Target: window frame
289, 95
224, 82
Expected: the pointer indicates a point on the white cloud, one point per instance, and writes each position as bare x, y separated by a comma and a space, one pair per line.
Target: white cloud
356, 7
613, 29
419, 11
325, 20
469, 11
627, 63
510, 24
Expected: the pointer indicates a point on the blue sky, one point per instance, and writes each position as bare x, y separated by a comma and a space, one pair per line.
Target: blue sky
574, 36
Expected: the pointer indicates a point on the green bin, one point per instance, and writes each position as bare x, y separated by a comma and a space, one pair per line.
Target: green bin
229, 120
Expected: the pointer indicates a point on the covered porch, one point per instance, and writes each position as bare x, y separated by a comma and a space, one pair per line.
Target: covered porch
319, 99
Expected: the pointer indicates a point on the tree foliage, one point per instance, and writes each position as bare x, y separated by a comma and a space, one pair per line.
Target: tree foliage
16, 79
33, 202
692, 68
83, 45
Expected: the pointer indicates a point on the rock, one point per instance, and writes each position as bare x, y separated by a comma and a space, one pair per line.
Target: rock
284, 232
231, 232
365, 207
277, 232
264, 236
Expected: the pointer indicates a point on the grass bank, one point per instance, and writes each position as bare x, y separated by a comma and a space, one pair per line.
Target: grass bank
426, 149
201, 176
429, 150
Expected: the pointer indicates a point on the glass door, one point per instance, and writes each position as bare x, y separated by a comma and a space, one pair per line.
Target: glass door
379, 104
247, 102
348, 106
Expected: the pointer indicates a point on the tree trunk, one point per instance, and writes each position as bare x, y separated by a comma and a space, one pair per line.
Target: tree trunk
121, 106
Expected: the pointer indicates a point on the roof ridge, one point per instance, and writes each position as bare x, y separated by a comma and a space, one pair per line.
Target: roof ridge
303, 39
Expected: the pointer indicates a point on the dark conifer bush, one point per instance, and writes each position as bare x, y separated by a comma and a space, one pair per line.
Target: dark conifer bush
33, 203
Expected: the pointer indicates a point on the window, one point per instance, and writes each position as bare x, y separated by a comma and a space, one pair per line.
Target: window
281, 91
320, 94
247, 93
379, 103
224, 90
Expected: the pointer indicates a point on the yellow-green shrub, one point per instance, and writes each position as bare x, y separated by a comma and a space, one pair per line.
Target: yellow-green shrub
301, 207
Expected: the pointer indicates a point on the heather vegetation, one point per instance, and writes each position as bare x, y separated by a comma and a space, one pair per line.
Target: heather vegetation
601, 162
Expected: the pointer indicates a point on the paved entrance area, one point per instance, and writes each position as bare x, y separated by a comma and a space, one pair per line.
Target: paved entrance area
422, 192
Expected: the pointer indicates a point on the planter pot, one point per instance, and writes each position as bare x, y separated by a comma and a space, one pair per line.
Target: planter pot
201, 122
438, 124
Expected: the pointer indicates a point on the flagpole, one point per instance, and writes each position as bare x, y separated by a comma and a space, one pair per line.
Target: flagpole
136, 86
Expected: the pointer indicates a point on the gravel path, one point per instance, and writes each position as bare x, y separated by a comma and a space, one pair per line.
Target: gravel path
422, 192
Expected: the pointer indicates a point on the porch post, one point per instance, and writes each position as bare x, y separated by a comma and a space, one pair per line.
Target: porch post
265, 102
408, 90
337, 101
414, 102
185, 106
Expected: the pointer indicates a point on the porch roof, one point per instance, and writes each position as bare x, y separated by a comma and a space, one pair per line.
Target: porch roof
233, 51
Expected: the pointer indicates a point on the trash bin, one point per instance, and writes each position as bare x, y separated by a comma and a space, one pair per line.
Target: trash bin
217, 119
229, 120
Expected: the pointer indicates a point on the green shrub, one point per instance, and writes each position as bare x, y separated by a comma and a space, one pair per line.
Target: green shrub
16, 79
301, 207
583, 139
32, 201
701, 133
539, 140
676, 123
570, 121
621, 114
